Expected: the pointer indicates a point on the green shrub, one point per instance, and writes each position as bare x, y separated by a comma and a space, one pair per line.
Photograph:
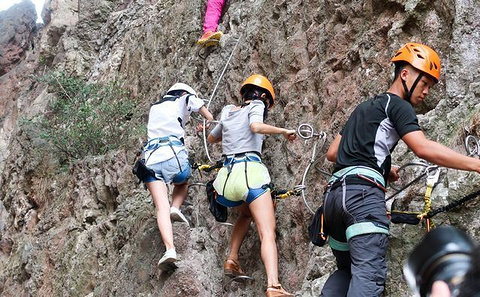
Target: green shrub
87, 118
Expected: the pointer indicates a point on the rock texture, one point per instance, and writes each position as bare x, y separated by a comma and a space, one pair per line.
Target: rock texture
90, 230
17, 27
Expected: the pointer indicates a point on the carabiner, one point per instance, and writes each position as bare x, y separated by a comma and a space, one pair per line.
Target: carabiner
433, 174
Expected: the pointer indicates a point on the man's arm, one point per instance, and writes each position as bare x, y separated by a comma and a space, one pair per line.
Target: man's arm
333, 149
439, 154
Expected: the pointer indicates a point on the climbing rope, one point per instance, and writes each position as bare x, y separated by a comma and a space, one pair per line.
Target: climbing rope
306, 132
213, 93
453, 204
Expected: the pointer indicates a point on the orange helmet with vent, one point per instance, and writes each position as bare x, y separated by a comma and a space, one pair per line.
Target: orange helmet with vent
420, 57
262, 82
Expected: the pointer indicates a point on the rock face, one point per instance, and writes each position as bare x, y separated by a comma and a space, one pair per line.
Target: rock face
90, 229
17, 26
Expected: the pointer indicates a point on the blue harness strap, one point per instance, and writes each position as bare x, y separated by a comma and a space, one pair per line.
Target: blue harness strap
358, 170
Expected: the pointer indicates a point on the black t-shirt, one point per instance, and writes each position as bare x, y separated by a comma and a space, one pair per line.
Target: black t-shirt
373, 130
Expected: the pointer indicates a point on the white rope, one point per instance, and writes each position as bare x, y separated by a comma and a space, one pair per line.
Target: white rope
211, 97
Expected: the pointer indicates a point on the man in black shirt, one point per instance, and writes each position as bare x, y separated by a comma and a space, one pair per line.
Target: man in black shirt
354, 204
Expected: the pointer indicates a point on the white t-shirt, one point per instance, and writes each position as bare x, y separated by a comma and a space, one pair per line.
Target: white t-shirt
167, 118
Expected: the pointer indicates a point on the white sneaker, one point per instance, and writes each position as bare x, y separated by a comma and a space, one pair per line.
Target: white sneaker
176, 215
168, 259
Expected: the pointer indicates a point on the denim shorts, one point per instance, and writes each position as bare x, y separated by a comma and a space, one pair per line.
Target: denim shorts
169, 171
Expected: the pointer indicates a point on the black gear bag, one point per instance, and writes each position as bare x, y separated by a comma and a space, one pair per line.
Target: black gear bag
317, 229
219, 211
141, 170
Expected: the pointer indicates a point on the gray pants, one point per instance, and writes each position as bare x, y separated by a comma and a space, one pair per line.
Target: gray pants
361, 270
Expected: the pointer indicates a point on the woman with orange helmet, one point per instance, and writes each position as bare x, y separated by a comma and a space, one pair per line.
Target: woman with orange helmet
243, 182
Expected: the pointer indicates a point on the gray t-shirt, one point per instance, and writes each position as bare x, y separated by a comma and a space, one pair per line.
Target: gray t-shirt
234, 128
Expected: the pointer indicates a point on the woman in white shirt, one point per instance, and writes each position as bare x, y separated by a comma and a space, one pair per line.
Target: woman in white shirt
167, 159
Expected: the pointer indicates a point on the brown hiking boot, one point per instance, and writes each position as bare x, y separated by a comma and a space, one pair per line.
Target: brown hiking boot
232, 268
277, 291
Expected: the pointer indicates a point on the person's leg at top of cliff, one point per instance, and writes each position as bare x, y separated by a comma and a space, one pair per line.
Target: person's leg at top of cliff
212, 15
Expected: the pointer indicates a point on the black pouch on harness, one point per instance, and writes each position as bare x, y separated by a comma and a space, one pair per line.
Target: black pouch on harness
404, 218
141, 170
219, 211
317, 229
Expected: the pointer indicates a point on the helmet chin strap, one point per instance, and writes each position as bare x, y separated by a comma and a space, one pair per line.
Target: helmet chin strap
408, 93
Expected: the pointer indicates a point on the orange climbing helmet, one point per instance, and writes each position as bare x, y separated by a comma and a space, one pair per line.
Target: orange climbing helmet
261, 82
421, 57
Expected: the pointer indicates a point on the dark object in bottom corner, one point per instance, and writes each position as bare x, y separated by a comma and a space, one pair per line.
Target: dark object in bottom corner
445, 254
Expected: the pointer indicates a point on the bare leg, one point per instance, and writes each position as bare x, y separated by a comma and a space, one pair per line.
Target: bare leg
179, 194
159, 193
264, 216
239, 230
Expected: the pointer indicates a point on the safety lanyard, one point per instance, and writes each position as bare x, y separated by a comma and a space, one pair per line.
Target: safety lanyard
433, 174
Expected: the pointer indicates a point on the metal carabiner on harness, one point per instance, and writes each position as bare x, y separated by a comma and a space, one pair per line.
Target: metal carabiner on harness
433, 174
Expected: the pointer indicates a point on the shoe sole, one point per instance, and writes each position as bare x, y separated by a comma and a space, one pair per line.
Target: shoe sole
208, 43
232, 273
211, 43
278, 294
168, 265
175, 217
212, 40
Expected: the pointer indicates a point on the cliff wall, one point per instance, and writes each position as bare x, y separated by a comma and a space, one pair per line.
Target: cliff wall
88, 228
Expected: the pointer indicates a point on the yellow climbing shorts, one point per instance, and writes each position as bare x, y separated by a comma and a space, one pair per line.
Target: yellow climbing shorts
231, 184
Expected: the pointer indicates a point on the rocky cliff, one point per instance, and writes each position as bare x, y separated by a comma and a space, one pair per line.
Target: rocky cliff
87, 228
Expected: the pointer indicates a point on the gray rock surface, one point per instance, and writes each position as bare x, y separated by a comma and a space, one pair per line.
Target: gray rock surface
17, 26
90, 230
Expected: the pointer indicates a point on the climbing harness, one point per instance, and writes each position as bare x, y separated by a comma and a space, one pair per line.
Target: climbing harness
306, 132
213, 93
432, 173
472, 146
140, 168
